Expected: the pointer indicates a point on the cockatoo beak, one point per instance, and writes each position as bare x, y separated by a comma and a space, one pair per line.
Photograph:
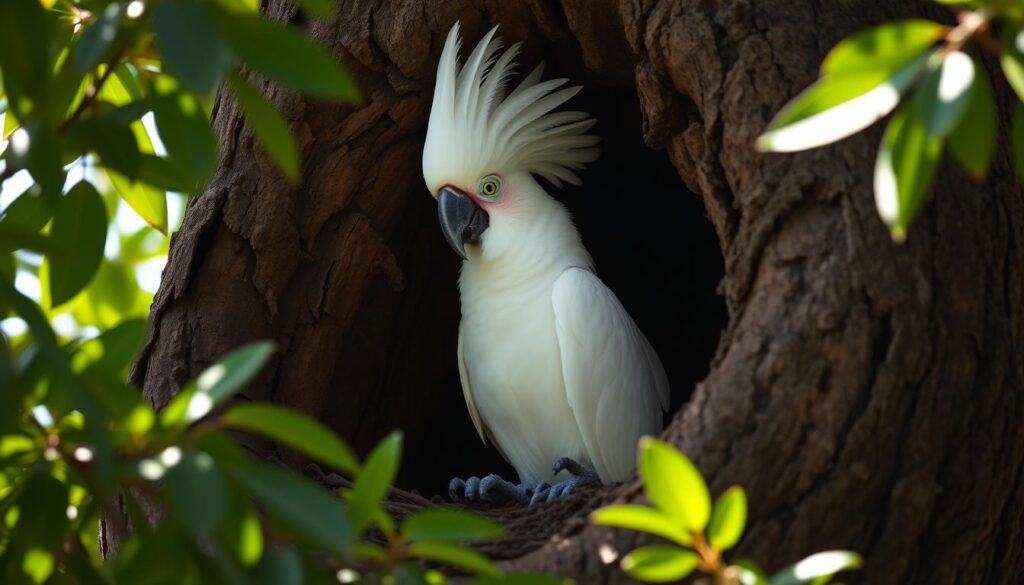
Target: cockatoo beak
461, 220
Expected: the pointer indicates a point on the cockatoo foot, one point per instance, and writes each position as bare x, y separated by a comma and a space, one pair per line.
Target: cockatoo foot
489, 491
582, 476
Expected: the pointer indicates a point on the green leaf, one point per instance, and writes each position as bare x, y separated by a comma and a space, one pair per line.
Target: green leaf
660, 563
453, 555
199, 61
449, 524
24, 54
904, 170
973, 141
34, 146
268, 126
185, 131
280, 566
1018, 139
885, 47
375, 480
749, 573
97, 38
241, 531
306, 508
816, 566
79, 226
164, 176
26, 214
944, 93
673, 484
288, 57
643, 519
42, 517
149, 203
837, 106
321, 8
217, 383
197, 492
728, 519
1012, 58
297, 430
8, 271
114, 143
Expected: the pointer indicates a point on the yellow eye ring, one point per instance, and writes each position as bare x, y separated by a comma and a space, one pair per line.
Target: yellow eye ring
490, 187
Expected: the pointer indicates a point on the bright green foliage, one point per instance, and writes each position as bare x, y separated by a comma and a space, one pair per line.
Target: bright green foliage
674, 485
680, 515
295, 430
660, 563
81, 80
728, 519
866, 76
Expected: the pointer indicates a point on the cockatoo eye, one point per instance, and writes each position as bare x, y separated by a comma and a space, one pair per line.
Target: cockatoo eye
490, 187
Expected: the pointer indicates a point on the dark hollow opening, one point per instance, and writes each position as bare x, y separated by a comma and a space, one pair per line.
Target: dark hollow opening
653, 246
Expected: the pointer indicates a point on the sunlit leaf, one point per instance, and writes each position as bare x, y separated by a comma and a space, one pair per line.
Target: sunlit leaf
943, 95
79, 225
449, 524
453, 555
836, 107
816, 566
217, 383
643, 519
269, 127
660, 563
197, 492
907, 160
296, 430
288, 57
199, 61
973, 141
673, 484
728, 519
302, 506
886, 47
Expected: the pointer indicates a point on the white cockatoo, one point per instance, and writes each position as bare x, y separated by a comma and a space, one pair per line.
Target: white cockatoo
554, 371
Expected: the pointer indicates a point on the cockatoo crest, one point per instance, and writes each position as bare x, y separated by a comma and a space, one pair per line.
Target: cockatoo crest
476, 130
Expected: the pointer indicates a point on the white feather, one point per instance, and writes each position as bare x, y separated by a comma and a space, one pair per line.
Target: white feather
615, 383
473, 131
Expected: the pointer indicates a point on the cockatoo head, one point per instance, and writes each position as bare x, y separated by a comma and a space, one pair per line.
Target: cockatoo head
483, 147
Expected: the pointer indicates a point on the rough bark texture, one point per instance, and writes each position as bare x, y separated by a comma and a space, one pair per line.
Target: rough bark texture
866, 394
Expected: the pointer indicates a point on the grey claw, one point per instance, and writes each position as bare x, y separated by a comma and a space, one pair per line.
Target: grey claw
568, 464
457, 489
541, 495
472, 489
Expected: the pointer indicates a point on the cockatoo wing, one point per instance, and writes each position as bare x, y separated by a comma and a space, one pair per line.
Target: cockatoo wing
474, 414
467, 392
615, 383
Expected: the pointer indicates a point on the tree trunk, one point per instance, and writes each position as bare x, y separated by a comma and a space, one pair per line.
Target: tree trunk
866, 394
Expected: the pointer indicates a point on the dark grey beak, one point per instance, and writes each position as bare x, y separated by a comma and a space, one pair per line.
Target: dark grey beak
461, 220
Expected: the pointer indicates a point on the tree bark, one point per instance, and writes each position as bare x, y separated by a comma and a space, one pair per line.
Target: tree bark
866, 394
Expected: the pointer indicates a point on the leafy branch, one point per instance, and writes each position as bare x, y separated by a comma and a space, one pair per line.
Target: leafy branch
698, 533
939, 95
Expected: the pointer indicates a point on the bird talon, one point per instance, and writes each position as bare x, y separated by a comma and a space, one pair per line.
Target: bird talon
492, 490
